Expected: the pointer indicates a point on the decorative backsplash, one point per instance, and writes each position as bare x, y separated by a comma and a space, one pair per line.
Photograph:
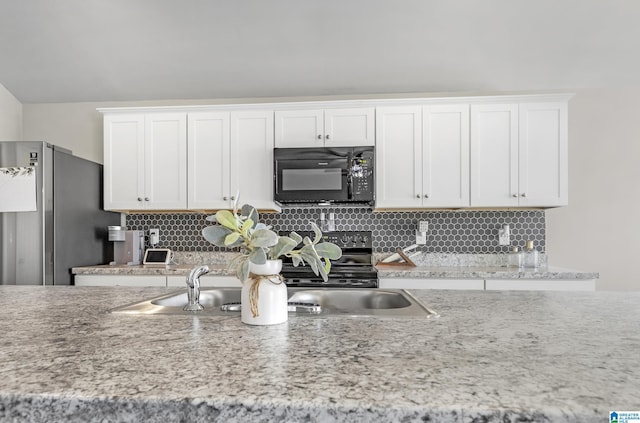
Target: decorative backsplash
459, 232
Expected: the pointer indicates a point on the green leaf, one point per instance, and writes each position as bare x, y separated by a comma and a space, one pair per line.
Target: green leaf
296, 237
263, 238
216, 235
243, 271
227, 219
284, 245
328, 250
211, 218
258, 256
297, 261
248, 224
317, 234
232, 238
250, 212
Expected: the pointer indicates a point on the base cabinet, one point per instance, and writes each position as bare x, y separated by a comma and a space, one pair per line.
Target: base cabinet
120, 280
540, 285
490, 284
417, 283
206, 281
155, 280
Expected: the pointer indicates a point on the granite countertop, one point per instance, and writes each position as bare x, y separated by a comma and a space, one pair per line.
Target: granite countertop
481, 272
429, 266
492, 356
425, 272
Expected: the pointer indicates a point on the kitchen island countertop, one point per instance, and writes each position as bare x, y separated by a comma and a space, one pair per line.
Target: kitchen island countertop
490, 356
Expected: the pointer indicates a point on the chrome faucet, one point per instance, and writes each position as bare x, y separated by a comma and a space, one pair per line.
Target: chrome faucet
193, 288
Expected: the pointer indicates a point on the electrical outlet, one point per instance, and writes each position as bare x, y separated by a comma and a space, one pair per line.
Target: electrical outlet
504, 235
423, 226
421, 232
154, 236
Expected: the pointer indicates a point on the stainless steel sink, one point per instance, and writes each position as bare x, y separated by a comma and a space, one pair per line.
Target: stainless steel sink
331, 302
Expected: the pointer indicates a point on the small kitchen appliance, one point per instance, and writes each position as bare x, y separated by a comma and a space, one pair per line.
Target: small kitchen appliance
128, 246
354, 269
338, 175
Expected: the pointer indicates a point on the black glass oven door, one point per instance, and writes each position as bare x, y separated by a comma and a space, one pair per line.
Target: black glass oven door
309, 180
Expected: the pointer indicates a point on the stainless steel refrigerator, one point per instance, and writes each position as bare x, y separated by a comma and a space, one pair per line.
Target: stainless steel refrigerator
61, 225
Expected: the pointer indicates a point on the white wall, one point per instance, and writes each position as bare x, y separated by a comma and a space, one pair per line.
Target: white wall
600, 229
10, 116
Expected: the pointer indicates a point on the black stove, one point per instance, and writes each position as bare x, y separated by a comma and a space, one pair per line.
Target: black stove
353, 270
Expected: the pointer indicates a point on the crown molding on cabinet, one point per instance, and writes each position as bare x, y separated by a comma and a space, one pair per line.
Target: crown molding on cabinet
329, 104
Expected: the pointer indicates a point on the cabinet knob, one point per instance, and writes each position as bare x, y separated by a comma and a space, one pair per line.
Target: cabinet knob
515, 195
327, 136
417, 195
426, 196
139, 198
524, 194
319, 136
233, 198
225, 198
146, 199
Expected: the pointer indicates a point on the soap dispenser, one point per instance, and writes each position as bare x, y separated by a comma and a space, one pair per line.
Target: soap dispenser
516, 258
531, 256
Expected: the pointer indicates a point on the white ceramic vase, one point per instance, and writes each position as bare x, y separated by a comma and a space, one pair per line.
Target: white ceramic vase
270, 295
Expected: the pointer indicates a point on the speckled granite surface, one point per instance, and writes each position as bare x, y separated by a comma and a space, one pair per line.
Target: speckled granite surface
485, 272
491, 357
430, 266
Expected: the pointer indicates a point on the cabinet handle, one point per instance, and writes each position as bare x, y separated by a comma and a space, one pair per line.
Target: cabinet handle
417, 195
319, 136
524, 194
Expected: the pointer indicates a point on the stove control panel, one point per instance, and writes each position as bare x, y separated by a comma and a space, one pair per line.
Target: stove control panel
349, 239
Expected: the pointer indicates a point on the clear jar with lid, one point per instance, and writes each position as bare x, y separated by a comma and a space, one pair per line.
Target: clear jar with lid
516, 258
531, 256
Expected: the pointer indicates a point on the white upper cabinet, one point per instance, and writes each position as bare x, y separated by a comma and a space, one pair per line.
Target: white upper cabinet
422, 156
519, 155
494, 155
445, 156
145, 161
252, 158
543, 155
230, 153
208, 160
325, 128
398, 157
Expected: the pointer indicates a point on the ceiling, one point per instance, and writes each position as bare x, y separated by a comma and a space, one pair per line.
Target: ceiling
121, 50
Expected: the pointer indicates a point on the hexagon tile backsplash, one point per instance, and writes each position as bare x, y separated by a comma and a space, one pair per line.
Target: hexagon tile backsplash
461, 232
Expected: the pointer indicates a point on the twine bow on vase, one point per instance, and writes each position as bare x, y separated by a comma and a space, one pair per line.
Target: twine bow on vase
254, 289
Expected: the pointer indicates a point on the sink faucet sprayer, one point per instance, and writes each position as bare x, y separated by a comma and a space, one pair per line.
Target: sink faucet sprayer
193, 288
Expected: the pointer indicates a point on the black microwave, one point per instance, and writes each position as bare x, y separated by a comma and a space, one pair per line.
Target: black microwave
316, 175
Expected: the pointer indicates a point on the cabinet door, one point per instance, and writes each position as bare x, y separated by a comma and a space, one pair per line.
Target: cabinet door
349, 127
252, 158
420, 283
166, 161
299, 128
209, 155
541, 284
445, 156
123, 162
119, 280
494, 155
399, 157
543, 154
